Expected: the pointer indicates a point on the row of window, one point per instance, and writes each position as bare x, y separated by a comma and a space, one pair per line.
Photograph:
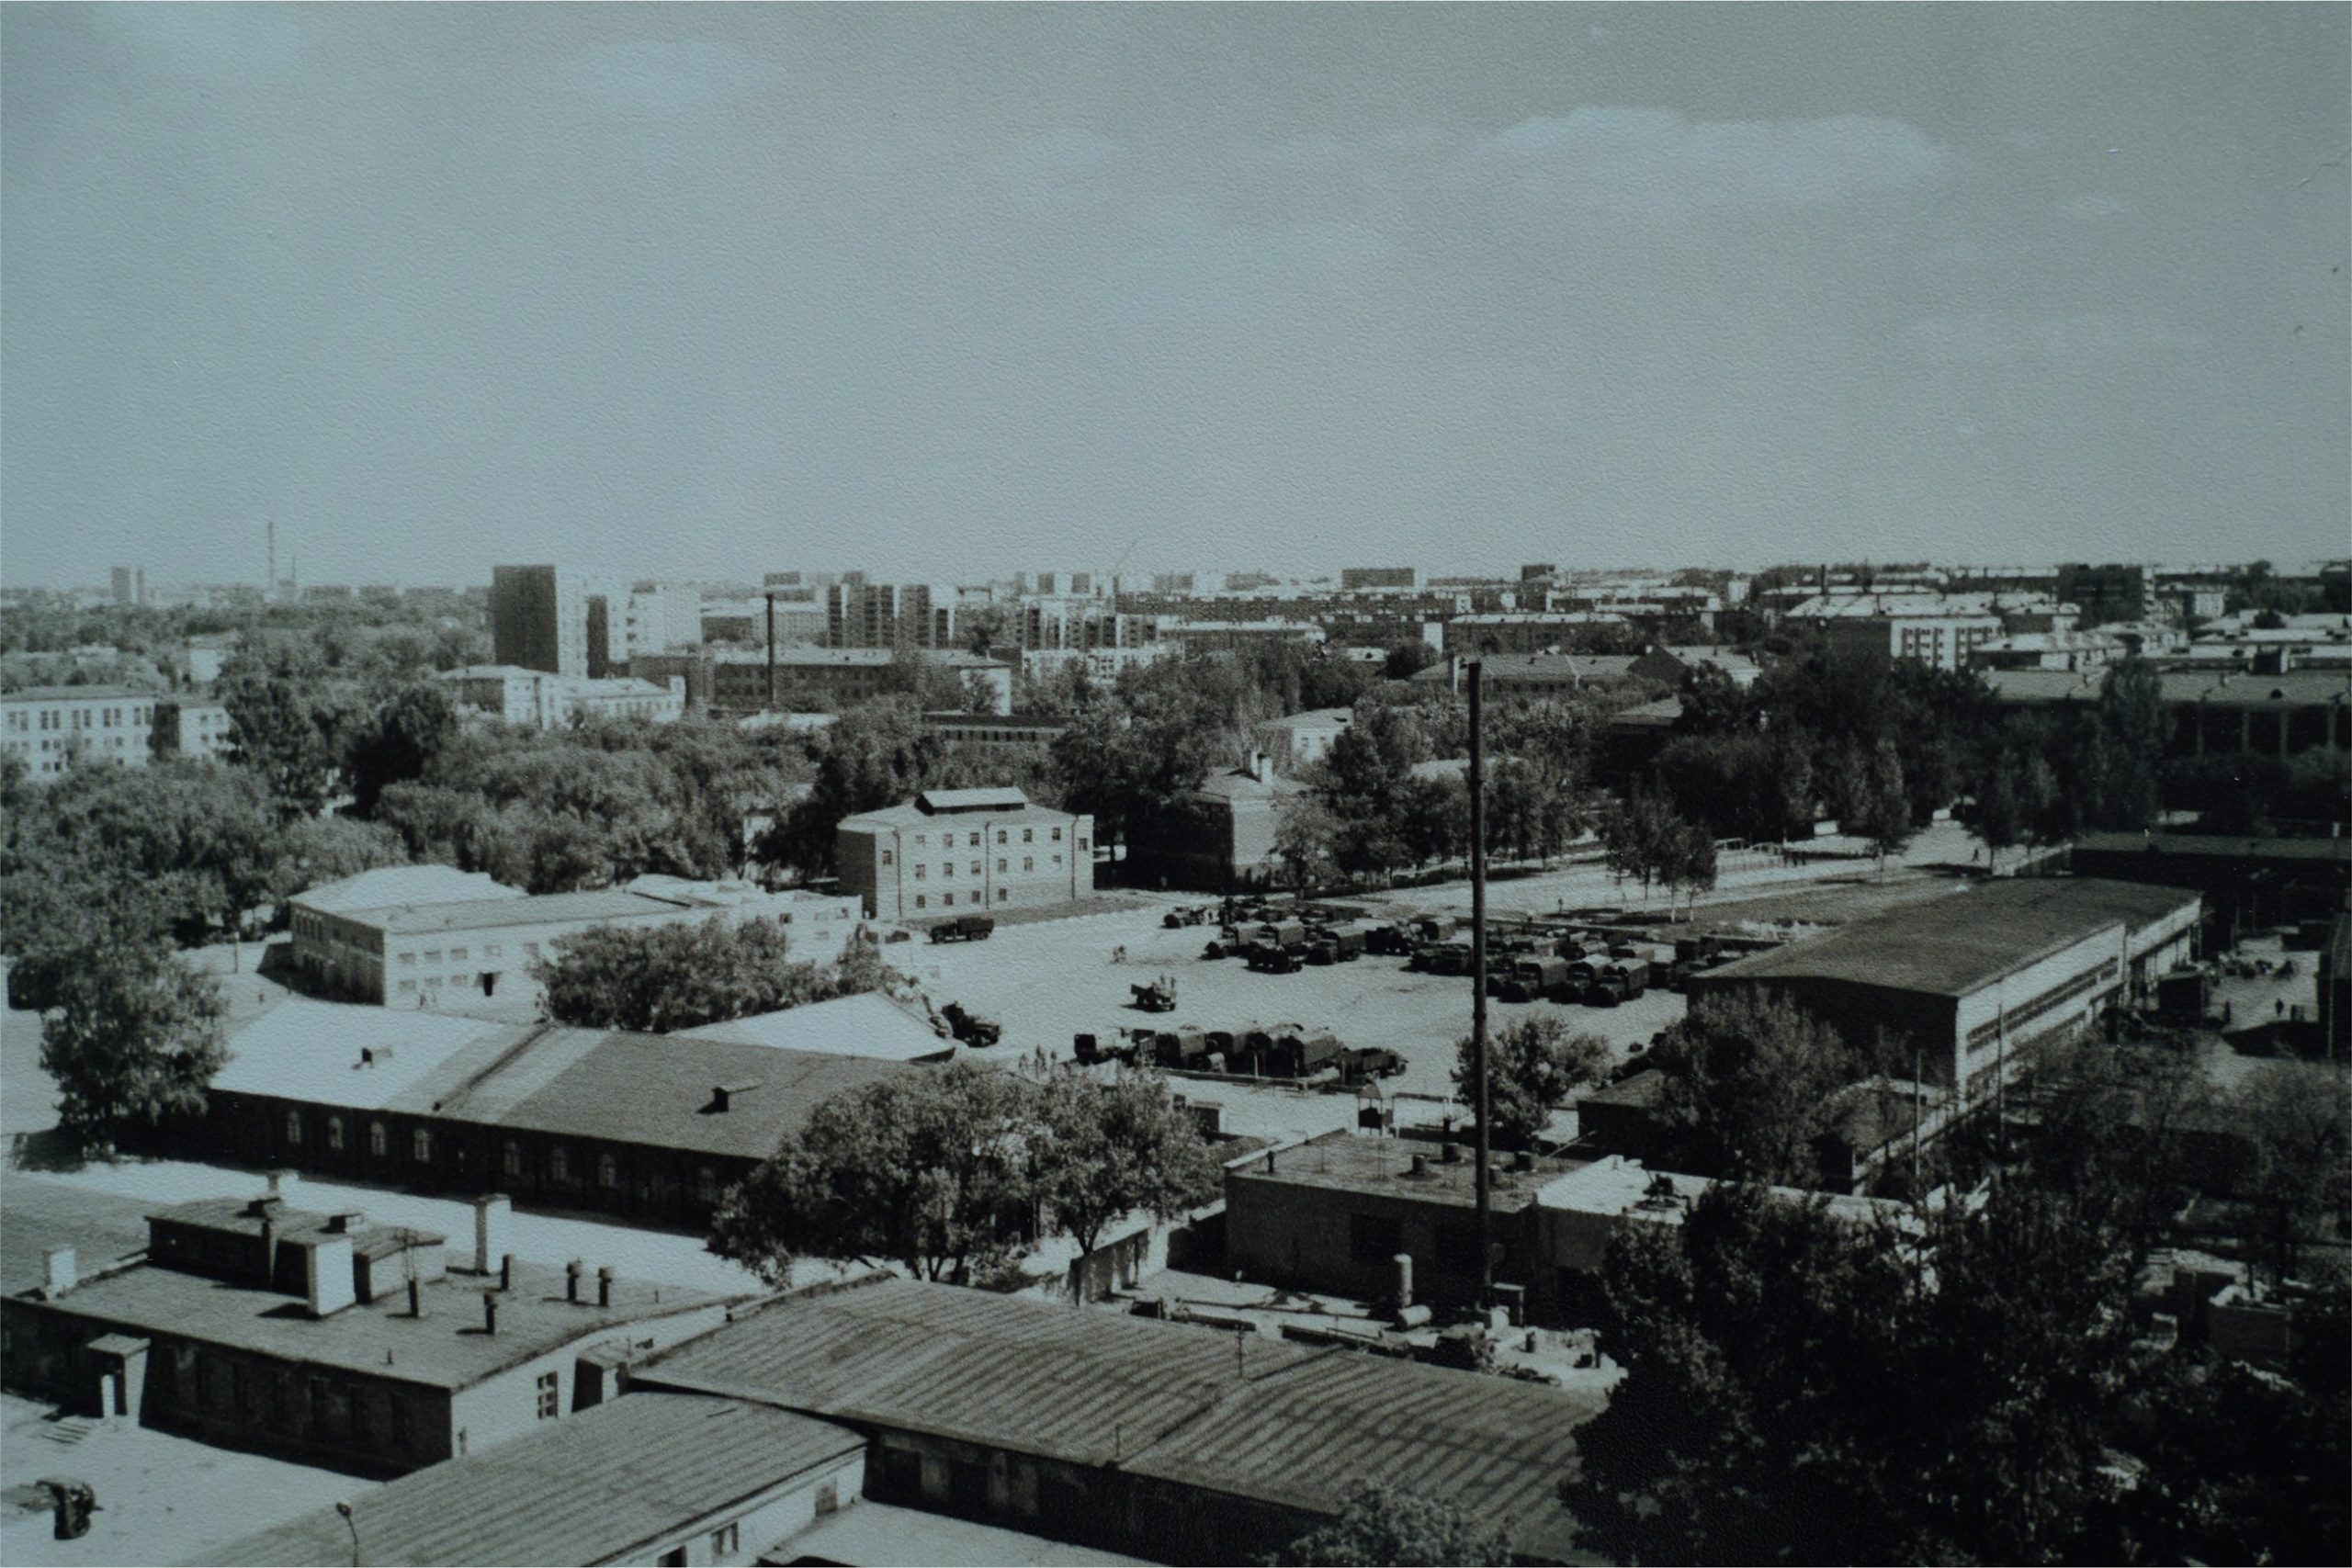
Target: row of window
460, 954
607, 1168
948, 900
947, 868
947, 841
21, 720
335, 1410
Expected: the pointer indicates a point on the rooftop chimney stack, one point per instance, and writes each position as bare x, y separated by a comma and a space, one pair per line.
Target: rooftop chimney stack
572, 1272
58, 1274
328, 1275
494, 1219
506, 1272
604, 1286
490, 1311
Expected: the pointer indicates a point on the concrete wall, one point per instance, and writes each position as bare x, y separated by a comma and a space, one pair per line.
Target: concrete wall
1304, 1237
762, 1521
507, 1404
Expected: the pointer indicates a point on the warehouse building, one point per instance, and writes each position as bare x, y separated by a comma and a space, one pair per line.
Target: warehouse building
433, 936
1974, 984
650, 1127
951, 851
1169, 1440
324, 1338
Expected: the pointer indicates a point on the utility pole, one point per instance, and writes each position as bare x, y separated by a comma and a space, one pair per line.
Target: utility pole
1479, 978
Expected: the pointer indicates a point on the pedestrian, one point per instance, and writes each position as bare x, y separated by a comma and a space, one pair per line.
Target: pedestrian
2280, 1008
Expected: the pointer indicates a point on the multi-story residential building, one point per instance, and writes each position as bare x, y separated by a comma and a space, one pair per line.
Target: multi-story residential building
539, 701
427, 936
1016, 734
1229, 637
1928, 628
879, 615
1046, 622
1355, 577
805, 678
658, 615
129, 585
191, 725
2110, 593
538, 618
1530, 632
1100, 663
963, 850
1291, 743
50, 729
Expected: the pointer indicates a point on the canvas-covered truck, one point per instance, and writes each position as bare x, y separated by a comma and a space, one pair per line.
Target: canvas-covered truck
1620, 980
970, 1027
1531, 979
1158, 996
1268, 959
964, 928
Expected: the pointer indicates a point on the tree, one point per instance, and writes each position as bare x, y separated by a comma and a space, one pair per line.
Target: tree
1533, 1068
1999, 821
135, 1035
288, 720
1111, 1147
1748, 1087
2297, 1132
667, 978
1643, 838
311, 851
398, 740
1382, 1525
1407, 659
1712, 702
2132, 729
1886, 807
932, 1170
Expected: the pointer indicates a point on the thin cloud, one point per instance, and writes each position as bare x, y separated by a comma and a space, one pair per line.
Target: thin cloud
1655, 163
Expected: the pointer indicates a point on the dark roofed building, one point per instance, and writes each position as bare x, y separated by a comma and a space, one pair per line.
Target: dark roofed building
1975, 982
2223, 711
323, 1337
1170, 1441
1217, 836
651, 1478
651, 1127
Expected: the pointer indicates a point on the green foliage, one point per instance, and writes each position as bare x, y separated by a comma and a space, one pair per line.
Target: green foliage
1385, 1525
670, 977
311, 851
1533, 1068
135, 1035
1643, 836
399, 739
289, 720
1112, 1147
1748, 1087
1886, 819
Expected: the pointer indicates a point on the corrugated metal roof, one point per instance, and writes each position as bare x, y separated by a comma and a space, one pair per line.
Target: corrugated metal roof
980, 799
590, 1488
1245, 1417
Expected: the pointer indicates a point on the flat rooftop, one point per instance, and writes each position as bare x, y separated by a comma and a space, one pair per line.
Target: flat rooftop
592, 1488
446, 1348
101, 1229
1356, 1162
543, 909
1960, 942
393, 886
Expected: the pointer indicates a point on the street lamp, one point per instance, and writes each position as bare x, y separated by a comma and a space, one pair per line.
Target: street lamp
345, 1509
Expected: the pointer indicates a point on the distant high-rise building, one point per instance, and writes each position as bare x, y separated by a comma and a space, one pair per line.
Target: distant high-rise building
538, 618
862, 615
123, 586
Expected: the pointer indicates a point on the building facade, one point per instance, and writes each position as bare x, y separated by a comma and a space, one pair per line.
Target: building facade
539, 701
538, 618
53, 729
964, 852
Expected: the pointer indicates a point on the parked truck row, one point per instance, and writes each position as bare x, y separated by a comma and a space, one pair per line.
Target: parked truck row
1267, 1051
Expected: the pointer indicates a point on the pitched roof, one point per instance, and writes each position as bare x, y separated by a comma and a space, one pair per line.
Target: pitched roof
342, 1053
1250, 1418
395, 885
867, 1025
982, 799
599, 1485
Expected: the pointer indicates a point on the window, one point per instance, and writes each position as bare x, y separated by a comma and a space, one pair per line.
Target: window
558, 1164
1081, 843
1057, 861
724, 1539
947, 868
920, 870
1003, 893
1028, 863
493, 950
921, 839
433, 957
531, 949
376, 1139
919, 900
408, 985
512, 1162
705, 1185
408, 959
293, 1126
421, 1145
1028, 835
547, 1396
608, 1171
1000, 864
947, 899
1058, 835
675, 1558
334, 1134
886, 857
976, 841
457, 955
975, 868
1000, 835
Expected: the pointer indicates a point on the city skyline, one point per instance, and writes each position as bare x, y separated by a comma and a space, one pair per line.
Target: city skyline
693, 293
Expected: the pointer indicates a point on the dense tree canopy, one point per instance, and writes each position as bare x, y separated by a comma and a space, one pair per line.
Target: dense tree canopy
659, 980
1533, 1066
1383, 1525
1750, 1086
134, 1035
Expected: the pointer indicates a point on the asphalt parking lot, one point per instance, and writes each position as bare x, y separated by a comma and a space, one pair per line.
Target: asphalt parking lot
1049, 981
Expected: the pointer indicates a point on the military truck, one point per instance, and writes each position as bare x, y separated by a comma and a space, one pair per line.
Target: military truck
1299, 1053
964, 928
970, 1027
1620, 980
1360, 1063
1158, 996
1435, 927
1268, 959
1389, 942
1531, 979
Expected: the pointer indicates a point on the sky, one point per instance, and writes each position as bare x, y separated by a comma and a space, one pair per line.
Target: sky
935, 291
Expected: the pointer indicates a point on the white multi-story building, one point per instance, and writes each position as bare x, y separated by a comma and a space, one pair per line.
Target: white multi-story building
953, 852
539, 701
50, 729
